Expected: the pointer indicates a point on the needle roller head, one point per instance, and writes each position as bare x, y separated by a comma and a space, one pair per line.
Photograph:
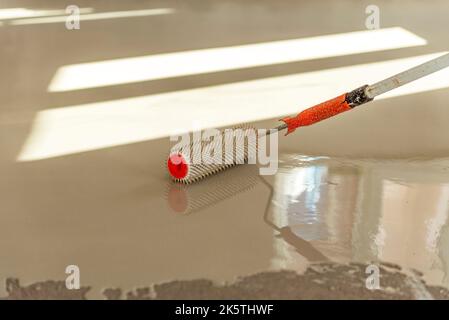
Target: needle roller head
192, 162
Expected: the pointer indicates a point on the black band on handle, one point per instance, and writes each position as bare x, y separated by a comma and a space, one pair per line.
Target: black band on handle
357, 97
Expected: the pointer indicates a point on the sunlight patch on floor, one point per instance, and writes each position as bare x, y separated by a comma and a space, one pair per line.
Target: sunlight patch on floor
169, 65
80, 128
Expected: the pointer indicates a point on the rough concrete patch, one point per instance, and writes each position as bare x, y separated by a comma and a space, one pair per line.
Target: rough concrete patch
45, 290
320, 281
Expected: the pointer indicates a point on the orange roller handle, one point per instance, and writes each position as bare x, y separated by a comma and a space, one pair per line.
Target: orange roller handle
317, 113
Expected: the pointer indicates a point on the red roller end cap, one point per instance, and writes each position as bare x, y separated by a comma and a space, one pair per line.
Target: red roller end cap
177, 166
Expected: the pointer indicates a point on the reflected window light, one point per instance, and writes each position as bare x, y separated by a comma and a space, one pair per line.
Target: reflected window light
412, 217
79, 128
95, 16
154, 67
315, 178
299, 200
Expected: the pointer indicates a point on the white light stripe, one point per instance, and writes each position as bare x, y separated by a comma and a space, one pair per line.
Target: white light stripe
68, 130
95, 16
153, 67
17, 13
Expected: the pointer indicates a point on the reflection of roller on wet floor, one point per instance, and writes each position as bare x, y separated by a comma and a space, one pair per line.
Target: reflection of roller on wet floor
188, 199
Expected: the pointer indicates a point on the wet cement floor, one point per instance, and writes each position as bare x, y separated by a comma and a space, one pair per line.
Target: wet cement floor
238, 224
371, 187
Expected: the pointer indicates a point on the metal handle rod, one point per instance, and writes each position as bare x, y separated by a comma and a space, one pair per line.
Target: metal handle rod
361, 95
407, 76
